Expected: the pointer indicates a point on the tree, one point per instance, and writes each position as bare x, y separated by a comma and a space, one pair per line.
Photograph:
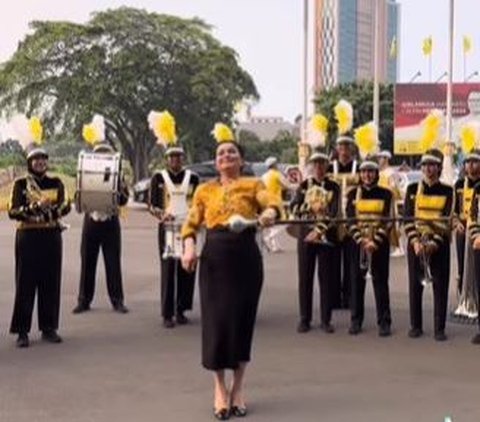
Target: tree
122, 64
360, 95
283, 146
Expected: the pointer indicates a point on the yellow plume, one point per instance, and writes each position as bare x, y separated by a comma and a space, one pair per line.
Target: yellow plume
222, 133
36, 130
470, 136
431, 130
163, 126
94, 131
344, 115
319, 123
366, 137
317, 130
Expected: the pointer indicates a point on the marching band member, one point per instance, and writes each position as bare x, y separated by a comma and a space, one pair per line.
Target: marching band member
102, 231
429, 242
316, 196
38, 202
276, 183
344, 171
474, 235
464, 188
231, 270
171, 191
387, 180
372, 246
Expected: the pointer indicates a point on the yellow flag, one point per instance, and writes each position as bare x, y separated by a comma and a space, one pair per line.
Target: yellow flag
427, 46
393, 48
467, 44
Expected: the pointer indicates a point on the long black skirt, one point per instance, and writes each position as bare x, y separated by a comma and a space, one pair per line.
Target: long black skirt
231, 278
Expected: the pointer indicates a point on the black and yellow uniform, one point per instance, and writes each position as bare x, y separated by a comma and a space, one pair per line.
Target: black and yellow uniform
177, 285
463, 198
38, 250
426, 201
231, 270
346, 175
370, 202
474, 233
312, 254
102, 231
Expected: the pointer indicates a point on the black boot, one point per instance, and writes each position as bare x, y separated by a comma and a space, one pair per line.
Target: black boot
22, 340
120, 308
303, 327
80, 308
181, 318
51, 336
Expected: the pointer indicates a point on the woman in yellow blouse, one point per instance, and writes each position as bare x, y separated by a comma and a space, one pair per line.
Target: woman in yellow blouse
231, 271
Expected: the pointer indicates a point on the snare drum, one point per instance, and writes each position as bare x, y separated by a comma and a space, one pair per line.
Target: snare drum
97, 182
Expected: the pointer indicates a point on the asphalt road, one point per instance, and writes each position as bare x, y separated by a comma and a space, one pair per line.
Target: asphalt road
115, 367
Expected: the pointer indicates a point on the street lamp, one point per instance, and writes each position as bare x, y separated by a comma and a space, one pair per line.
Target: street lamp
472, 75
441, 77
417, 75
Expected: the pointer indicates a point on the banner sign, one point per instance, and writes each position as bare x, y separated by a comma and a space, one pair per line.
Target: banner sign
414, 101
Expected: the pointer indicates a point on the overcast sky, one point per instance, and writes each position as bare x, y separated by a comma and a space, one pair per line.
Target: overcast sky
267, 34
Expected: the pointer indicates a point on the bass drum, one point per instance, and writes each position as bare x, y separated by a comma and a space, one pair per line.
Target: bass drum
97, 182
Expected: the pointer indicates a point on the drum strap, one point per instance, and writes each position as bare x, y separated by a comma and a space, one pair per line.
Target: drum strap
181, 190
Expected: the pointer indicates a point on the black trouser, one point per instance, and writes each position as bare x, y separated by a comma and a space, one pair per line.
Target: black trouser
340, 292
105, 235
380, 266
177, 284
309, 255
38, 266
440, 269
460, 243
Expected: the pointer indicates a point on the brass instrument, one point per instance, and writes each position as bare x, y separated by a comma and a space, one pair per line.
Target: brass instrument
42, 205
426, 236
365, 256
314, 208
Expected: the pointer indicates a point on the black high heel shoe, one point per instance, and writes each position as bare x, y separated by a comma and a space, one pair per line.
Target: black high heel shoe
222, 414
239, 411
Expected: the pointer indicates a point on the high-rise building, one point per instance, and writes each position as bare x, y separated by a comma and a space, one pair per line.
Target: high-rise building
345, 41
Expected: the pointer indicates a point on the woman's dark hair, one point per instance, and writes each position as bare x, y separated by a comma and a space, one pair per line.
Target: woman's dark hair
240, 148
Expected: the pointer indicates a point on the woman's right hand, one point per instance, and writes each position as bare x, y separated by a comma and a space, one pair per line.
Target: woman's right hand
189, 256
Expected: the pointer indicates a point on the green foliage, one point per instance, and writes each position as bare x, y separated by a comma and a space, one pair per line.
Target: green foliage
283, 146
360, 95
122, 64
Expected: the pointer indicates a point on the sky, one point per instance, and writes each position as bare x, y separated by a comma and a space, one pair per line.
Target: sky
267, 34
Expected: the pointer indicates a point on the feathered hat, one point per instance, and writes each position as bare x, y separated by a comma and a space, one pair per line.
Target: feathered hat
432, 156
366, 138
470, 140
29, 134
163, 125
222, 133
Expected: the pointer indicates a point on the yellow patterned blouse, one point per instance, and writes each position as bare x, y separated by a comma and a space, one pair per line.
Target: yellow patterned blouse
213, 203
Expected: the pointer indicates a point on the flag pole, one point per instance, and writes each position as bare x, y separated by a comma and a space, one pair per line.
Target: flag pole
303, 135
376, 87
448, 173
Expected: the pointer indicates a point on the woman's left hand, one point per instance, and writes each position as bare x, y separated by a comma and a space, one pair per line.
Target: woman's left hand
267, 218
